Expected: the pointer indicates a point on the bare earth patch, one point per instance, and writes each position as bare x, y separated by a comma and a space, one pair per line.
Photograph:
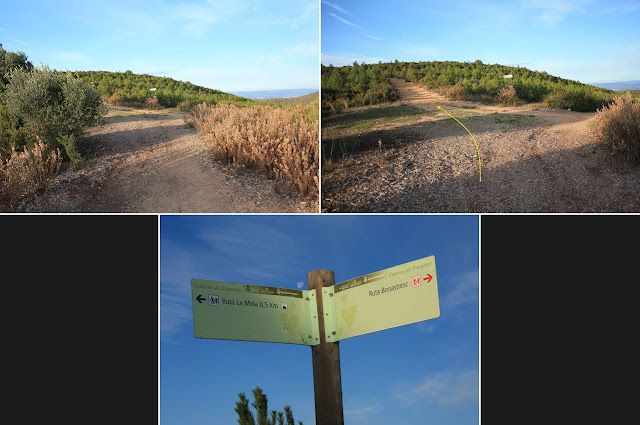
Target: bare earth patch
532, 161
152, 162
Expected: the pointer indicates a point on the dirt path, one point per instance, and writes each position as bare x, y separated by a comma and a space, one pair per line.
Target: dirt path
532, 161
152, 162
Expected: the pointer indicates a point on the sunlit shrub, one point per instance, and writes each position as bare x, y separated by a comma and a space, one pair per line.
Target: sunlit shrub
116, 100
27, 173
507, 96
576, 100
50, 104
619, 126
281, 142
151, 103
456, 92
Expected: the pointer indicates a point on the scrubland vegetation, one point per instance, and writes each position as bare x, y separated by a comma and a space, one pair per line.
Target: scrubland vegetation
127, 88
619, 127
282, 142
41, 114
617, 117
365, 84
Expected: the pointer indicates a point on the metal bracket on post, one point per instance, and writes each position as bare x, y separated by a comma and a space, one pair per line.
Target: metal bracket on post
329, 306
311, 313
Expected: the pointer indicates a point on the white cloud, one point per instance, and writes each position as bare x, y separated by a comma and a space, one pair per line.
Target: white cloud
552, 12
363, 411
19, 41
175, 314
444, 389
304, 14
337, 7
197, 19
628, 7
464, 290
344, 21
424, 328
304, 49
371, 36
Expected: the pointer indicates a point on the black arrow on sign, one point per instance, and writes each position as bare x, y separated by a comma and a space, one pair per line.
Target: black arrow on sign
200, 299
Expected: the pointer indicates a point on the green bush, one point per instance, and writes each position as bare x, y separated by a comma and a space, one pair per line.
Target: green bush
578, 100
69, 144
51, 104
619, 127
478, 80
10, 61
12, 135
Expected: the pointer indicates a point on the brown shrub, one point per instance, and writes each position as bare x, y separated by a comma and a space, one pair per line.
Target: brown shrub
507, 96
619, 126
26, 173
151, 103
116, 100
456, 92
281, 142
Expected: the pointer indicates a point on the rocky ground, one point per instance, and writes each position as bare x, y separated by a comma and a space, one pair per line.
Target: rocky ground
532, 160
152, 162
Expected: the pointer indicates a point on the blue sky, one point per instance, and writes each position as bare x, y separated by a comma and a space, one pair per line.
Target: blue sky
225, 45
584, 40
426, 372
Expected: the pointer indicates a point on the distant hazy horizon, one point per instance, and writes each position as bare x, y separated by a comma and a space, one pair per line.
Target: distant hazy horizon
266, 94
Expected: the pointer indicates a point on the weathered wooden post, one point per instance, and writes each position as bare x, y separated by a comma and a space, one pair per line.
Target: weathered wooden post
327, 383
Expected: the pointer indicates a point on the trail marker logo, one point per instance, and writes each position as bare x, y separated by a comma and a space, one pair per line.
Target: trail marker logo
416, 281
284, 306
214, 300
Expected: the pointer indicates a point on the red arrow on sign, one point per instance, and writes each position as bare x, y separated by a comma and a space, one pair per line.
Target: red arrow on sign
428, 278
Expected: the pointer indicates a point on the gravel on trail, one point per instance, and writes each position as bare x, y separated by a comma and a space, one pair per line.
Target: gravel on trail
532, 160
152, 162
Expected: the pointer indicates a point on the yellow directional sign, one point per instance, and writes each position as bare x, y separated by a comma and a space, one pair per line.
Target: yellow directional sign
223, 310
397, 296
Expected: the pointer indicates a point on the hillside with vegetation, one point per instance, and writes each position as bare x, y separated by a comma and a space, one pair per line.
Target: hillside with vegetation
119, 88
307, 99
364, 84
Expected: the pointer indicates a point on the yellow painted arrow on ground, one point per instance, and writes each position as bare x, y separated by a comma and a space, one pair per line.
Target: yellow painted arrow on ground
474, 141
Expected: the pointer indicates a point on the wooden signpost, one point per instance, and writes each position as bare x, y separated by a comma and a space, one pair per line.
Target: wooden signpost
320, 317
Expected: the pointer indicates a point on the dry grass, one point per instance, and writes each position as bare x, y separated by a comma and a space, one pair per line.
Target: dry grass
26, 173
281, 142
619, 126
115, 100
151, 103
456, 92
507, 96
